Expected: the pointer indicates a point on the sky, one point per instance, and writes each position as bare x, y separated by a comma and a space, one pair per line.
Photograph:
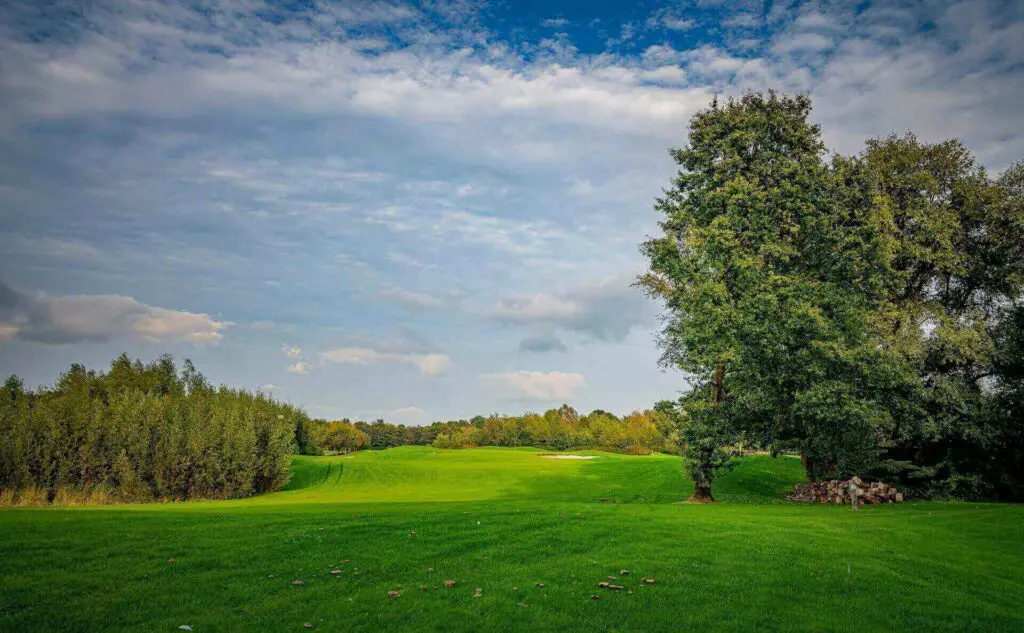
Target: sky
415, 211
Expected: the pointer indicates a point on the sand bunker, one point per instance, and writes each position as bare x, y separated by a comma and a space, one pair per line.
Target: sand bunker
550, 456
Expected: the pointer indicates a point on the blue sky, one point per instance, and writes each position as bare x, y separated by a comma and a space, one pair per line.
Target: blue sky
416, 211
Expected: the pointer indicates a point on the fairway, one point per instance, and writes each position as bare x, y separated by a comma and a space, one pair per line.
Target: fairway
535, 535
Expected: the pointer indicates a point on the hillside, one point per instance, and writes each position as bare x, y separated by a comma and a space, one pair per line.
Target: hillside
532, 534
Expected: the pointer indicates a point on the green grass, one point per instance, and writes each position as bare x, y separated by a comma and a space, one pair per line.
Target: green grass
504, 520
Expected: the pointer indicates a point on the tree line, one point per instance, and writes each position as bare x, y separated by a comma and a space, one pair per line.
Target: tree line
561, 429
864, 311
141, 432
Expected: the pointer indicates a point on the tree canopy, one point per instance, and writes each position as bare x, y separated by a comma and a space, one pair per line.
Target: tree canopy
847, 309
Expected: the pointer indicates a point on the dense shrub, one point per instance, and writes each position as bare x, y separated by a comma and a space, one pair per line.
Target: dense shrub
141, 433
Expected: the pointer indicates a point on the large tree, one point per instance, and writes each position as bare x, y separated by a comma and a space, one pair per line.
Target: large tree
769, 282
856, 311
954, 287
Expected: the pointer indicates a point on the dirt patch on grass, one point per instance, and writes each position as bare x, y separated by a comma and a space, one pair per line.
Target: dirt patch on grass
556, 456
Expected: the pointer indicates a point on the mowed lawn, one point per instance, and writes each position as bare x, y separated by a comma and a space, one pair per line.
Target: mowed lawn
535, 535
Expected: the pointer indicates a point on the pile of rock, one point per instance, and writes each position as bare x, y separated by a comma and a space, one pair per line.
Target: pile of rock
840, 491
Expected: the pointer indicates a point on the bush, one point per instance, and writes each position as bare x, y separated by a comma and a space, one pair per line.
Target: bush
140, 433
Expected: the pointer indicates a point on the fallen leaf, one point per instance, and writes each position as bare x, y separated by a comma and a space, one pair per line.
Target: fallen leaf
623, 572
394, 594
297, 582
170, 561
602, 584
541, 585
308, 625
335, 572
184, 627
649, 581
595, 597
449, 583
423, 587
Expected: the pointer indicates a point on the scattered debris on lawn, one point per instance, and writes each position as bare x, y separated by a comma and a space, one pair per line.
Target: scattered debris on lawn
308, 625
449, 583
394, 594
423, 587
649, 581
606, 501
170, 561
623, 572
412, 532
595, 597
603, 584
840, 491
335, 572
184, 627
297, 582
478, 592
540, 585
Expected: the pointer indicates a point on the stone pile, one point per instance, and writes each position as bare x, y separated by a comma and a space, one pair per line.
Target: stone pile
839, 491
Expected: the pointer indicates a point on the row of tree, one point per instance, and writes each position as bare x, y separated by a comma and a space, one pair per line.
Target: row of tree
141, 432
640, 432
865, 311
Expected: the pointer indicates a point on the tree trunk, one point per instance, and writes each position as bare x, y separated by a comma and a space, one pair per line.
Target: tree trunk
718, 382
702, 494
702, 485
817, 470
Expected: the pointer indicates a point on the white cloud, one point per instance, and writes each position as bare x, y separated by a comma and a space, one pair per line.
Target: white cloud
428, 364
291, 351
554, 22
534, 385
670, 19
606, 309
408, 260
801, 43
300, 367
268, 386
418, 299
77, 318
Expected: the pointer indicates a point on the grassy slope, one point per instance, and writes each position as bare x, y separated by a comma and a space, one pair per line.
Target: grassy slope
504, 520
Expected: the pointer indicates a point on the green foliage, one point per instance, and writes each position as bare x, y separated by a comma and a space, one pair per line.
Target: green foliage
341, 437
561, 429
142, 433
846, 310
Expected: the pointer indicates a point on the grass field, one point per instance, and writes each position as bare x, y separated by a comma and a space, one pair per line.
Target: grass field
503, 521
